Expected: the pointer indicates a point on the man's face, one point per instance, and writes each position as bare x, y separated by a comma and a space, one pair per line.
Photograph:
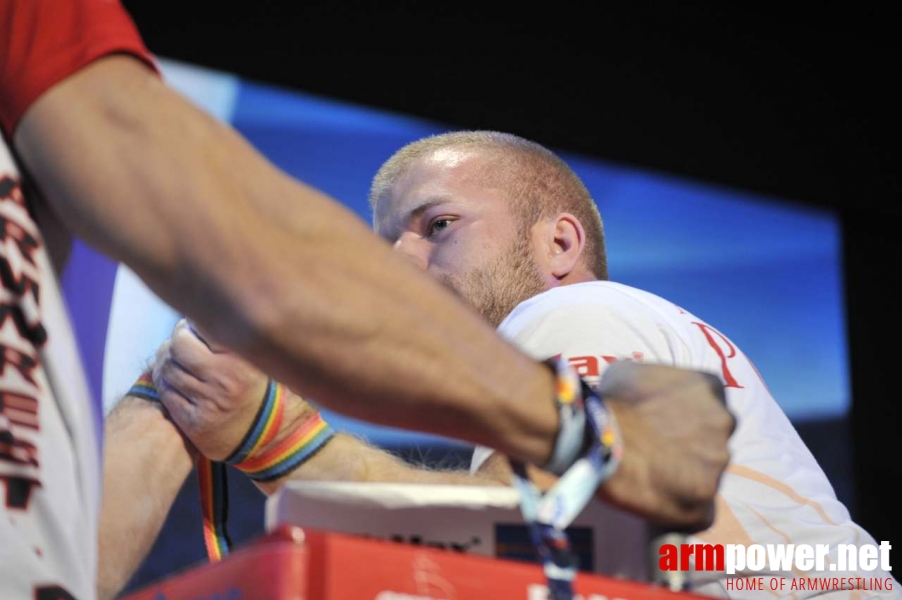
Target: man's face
451, 220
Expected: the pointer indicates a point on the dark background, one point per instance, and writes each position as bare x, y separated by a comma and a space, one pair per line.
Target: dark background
800, 104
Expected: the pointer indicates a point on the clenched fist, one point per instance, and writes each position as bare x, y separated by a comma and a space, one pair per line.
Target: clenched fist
675, 428
212, 394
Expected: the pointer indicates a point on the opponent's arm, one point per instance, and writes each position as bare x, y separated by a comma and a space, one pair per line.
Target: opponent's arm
226, 393
146, 461
673, 424
347, 458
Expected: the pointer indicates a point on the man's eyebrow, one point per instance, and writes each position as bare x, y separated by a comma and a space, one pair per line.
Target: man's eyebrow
398, 226
418, 209
422, 207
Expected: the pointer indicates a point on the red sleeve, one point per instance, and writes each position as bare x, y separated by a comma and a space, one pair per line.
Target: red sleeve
44, 41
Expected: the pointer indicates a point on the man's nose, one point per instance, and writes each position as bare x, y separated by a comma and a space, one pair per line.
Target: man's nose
414, 248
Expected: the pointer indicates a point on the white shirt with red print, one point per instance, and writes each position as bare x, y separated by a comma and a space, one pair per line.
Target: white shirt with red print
49, 448
773, 492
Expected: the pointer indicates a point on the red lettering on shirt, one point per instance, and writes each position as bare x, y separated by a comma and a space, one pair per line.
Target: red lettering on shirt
725, 351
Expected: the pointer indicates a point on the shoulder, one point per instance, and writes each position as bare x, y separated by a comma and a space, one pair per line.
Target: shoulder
595, 299
598, 322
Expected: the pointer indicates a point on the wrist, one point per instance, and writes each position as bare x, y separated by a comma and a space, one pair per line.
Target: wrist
342, 459
611, 488
295, 413
285, 435
139, 417
141, 410
586, 425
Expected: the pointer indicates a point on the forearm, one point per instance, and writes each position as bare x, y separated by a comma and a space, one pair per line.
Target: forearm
347, 458
146, 461
277, 271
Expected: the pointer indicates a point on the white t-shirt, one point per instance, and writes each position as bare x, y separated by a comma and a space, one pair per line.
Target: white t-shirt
49, 449
773, 492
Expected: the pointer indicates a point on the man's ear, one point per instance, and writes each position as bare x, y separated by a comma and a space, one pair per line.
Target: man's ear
565, 242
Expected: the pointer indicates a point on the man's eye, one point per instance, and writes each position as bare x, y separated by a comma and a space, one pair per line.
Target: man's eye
437, 226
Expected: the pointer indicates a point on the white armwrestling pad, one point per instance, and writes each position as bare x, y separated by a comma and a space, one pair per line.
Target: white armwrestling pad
473, 519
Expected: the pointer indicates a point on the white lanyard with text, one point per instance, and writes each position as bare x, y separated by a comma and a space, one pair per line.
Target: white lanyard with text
549, 514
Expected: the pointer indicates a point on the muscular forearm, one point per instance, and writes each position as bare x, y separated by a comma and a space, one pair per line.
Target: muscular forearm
347, 458
146, 462
277, 271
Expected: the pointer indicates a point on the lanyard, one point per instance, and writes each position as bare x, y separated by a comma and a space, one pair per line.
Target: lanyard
550, 514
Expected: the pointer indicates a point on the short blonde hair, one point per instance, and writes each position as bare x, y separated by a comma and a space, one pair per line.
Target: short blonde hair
539, 183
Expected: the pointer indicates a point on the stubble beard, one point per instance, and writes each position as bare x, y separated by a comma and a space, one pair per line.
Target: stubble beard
495, 290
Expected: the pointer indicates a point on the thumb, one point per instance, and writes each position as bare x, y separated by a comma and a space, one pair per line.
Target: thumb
204, 336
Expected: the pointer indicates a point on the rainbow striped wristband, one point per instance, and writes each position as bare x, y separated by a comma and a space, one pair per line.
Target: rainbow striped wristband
144, 388
265, 426
290, 453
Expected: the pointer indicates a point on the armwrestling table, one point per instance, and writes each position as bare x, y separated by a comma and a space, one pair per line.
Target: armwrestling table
294, 563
